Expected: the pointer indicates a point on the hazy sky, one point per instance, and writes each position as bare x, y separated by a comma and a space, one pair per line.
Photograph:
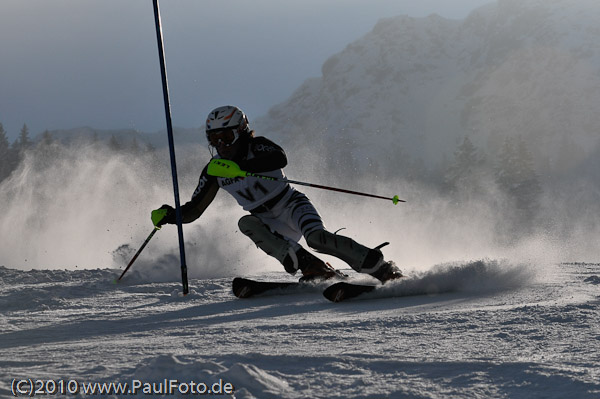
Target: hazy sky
72, 63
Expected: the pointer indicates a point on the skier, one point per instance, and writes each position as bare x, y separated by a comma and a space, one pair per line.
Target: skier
278, 215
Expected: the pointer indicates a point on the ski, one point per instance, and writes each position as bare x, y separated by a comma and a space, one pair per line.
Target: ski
336, 292
246, 288
342, 291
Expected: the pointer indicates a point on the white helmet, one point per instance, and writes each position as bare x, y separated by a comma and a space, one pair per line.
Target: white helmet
225, 124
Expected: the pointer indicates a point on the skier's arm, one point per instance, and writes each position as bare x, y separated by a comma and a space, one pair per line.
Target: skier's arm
203, 196
268, 156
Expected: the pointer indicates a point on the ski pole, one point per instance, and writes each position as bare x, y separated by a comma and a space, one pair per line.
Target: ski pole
138, 252
229, 169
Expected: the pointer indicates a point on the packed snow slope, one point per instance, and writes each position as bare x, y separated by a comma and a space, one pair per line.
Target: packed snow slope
485, 329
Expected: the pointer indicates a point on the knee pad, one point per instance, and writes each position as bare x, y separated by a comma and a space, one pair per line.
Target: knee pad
249, 223
341, 247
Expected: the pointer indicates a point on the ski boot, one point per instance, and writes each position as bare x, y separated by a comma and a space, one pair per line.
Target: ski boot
387, 271
382, 270
313, 268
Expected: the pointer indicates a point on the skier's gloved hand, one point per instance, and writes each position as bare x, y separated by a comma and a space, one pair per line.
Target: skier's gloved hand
163, 215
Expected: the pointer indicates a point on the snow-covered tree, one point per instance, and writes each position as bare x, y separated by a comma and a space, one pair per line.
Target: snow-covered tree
466, 173
5, 154
47, 138
114, 144
23, 143
517, 178
134, 148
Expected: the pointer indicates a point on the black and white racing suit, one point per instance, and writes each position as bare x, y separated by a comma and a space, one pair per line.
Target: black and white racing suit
279, 214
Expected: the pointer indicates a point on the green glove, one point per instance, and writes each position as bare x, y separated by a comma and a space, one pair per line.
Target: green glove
162, 215
225, 168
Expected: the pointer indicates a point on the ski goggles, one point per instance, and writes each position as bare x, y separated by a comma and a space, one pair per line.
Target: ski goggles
225, 136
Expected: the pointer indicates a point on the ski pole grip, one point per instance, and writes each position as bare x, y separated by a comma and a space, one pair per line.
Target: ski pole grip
225, 168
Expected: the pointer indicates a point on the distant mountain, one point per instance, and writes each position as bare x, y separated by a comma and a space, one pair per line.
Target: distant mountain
418, 86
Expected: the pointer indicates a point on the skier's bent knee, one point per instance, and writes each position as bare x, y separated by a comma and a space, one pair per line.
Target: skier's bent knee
248, 223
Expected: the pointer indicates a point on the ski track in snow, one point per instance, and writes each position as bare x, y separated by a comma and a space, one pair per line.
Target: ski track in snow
486, 329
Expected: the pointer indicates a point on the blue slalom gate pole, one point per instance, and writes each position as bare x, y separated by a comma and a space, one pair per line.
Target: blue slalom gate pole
165, 86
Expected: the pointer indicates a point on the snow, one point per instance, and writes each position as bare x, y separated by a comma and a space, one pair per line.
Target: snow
481, 329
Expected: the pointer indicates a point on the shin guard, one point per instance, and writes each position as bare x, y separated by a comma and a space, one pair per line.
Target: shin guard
341, 247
